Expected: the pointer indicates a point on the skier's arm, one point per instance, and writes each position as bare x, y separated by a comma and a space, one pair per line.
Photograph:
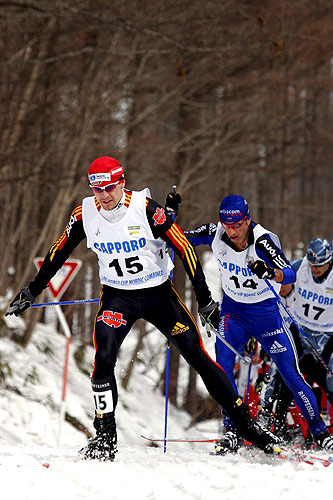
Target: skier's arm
274, 258
55, 258
59, 251
287, 291
163, 226
202, 235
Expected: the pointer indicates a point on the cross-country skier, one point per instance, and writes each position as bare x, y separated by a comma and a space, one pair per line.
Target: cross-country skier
311, 304
248, 254
129, 232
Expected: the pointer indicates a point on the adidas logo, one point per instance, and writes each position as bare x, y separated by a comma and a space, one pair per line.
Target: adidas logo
179, 328
276, 348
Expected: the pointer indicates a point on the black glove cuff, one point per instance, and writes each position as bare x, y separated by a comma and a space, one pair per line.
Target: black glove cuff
172, 203
29, 295
209, 307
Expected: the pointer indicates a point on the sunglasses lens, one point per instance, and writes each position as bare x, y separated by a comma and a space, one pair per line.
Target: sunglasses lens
108, 189
232, 226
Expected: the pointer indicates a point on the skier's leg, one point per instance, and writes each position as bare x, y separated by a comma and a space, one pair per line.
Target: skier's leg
282, 350
170, 315
112, 323
236, 336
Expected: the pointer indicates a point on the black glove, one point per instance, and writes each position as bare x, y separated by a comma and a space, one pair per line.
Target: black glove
210, 314
22, 301
172, 203
262, 270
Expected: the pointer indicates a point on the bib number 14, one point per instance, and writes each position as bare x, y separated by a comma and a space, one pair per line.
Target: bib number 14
248, 283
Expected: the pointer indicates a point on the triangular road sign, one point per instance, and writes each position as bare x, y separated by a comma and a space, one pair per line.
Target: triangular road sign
60, 282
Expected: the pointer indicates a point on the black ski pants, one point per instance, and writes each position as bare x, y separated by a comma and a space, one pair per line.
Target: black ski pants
162, 307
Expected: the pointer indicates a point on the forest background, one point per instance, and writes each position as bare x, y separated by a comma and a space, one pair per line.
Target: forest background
217, 97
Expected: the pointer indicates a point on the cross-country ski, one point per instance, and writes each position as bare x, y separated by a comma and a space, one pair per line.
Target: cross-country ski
291, 454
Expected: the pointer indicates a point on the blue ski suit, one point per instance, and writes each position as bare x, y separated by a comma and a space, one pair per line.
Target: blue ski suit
249, 308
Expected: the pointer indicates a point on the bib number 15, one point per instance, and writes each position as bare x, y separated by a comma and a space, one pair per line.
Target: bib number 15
131, 264
103, 401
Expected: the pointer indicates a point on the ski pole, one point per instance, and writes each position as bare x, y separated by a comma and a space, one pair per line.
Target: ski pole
167, 367
249, 371
65, 303
298, 327
167, 370
246, 360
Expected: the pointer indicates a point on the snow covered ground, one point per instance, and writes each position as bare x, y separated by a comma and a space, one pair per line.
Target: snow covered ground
141, 472
30, 436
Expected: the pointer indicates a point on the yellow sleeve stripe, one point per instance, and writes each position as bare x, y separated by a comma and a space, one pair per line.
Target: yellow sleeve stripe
179, 239
57, 245
191, 261
77, 214
53, 250
77, 210
176, 231
179, 236
98, 205
128, 196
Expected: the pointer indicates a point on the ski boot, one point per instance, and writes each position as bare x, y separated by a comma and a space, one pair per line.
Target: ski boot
229, 443
104, 446
324, 440
265, 418
252, 431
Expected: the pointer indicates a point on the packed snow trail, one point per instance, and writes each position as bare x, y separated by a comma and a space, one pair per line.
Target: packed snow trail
143, 472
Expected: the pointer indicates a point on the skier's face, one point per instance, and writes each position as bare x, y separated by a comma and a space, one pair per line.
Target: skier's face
110, 199
318, 271
239, 233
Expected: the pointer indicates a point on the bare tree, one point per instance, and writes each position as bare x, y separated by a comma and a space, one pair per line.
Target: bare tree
215, 97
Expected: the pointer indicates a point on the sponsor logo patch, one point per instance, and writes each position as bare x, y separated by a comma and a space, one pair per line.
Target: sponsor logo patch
70, 224
96, 179
134, 229
307, 403
271, 334
159, 216
111, 318
179, 328
231, 212
277, 348
223, 252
